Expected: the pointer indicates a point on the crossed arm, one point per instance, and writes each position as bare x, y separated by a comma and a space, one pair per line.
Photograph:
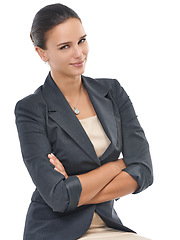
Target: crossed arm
102, 184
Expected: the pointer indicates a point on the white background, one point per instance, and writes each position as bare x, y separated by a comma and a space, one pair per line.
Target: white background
137, 42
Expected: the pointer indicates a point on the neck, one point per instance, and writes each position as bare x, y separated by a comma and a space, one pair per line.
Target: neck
69, 86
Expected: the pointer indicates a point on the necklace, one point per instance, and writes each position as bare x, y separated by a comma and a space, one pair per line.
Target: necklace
76, 110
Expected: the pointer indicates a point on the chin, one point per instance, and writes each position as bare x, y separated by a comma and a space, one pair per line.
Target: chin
78, 72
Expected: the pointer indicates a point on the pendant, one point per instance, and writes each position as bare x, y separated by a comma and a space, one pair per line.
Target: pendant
76, 111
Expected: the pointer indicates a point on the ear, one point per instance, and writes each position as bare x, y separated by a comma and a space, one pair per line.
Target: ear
42, 53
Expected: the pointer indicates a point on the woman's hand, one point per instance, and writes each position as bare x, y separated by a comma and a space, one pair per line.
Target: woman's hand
57, 165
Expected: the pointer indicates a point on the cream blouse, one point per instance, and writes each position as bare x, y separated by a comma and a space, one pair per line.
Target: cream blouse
96, 134
100, 141
98, 228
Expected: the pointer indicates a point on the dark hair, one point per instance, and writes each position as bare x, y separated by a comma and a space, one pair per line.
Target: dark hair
46, 19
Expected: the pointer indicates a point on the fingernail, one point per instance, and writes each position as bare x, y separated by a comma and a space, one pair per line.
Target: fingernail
51, 160
52, 154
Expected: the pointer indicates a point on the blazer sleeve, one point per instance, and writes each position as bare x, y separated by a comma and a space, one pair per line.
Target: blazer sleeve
135, 148
59, 193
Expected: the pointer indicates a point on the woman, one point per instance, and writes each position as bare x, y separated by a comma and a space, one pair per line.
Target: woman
72, 131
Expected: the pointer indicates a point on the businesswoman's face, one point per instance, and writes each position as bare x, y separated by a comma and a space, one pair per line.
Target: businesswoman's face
66, 48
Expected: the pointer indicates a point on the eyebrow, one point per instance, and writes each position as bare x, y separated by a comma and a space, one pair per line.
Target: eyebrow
64, 43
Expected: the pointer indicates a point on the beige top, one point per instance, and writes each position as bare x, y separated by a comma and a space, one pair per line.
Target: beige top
96, 134
100, 141
98, 229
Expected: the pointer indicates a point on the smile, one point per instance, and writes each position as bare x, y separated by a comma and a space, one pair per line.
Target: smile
78, 64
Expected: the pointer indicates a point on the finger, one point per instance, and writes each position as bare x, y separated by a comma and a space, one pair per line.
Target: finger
58, 166
52, 156
56, 162
53, 159
60, 171
57, 170
53, 162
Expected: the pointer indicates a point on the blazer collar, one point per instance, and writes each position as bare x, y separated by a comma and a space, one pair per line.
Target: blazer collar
61, 112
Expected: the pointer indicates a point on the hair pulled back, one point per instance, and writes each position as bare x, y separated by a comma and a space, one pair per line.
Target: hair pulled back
46, 19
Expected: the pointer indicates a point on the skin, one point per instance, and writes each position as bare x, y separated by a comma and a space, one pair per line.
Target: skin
102, 184
61, 58
66, 52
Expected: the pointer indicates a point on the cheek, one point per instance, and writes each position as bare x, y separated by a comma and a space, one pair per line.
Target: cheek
86, 49
60, 59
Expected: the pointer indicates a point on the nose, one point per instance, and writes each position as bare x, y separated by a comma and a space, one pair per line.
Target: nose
77, 51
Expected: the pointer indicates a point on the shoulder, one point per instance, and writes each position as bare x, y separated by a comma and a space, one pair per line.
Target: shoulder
111, 84
107, 82
33, 103
116, 90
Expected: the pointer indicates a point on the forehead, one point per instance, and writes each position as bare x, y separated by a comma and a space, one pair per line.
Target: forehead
70, 30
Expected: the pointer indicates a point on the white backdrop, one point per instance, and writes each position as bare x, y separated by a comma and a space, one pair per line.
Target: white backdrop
135, 41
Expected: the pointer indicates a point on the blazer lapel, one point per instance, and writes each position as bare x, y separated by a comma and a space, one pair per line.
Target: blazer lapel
101, 100
61, 112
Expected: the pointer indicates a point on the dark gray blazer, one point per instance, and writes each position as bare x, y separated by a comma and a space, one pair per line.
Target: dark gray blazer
46, 123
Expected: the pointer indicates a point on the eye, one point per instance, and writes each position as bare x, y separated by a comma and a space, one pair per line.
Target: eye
82, 40
64, 47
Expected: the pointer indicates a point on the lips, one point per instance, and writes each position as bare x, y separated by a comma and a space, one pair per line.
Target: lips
78, 64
